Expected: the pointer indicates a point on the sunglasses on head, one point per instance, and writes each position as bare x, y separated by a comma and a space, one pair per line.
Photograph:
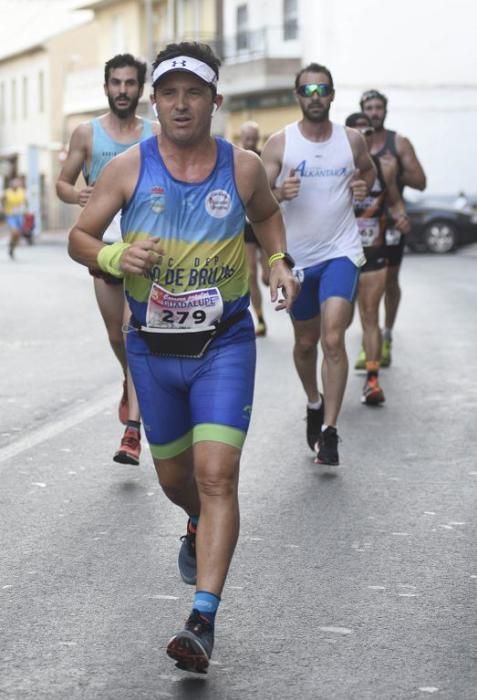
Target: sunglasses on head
310, 89
373, 95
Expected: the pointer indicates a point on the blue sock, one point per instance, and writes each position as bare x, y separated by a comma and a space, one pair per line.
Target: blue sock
206, 603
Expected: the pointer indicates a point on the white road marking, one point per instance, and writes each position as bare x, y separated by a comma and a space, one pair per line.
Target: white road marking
50, 430
336, 630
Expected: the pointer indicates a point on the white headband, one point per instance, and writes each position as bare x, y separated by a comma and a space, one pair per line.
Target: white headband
186, 63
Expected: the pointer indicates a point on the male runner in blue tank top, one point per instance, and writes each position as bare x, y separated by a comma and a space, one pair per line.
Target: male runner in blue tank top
93, 144
316, 167
191, 347
390, 146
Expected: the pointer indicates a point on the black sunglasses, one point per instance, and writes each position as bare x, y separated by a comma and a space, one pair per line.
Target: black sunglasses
310, 89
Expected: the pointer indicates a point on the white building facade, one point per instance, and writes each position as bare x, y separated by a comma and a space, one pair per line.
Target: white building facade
422, 55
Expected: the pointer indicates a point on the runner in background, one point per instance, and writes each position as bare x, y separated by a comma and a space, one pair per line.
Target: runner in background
256, 258
93, 144
372, 216
315, 168
14, 207
390, 146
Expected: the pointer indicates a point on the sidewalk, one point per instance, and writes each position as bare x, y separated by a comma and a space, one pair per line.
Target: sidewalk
55, 237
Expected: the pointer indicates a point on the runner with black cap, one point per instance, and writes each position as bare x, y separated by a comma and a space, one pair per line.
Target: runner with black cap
191, 346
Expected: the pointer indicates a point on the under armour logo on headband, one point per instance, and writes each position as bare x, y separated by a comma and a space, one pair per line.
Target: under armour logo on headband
187, 63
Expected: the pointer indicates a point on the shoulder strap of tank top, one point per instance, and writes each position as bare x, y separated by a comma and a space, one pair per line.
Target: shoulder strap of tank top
225, 155
146, 129
391, 143
94, 126
379, 171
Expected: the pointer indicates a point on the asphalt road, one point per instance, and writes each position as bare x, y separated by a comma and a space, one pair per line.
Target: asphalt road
352, 584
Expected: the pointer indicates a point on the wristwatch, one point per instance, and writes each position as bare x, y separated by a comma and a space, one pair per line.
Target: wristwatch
285, 257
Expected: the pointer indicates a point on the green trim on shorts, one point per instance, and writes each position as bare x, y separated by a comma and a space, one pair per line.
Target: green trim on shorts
172, 449
205, 431
219, 433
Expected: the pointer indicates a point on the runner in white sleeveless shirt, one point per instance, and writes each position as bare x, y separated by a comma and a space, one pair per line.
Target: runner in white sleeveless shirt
316, 168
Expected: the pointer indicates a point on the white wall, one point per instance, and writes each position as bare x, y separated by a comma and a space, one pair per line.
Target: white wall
423, 55
441, 125
266, 15
413, 42
15, 135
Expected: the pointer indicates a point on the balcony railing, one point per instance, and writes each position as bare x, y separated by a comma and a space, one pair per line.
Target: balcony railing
282, 41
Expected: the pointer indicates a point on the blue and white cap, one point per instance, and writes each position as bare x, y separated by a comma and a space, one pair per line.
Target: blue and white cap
186, 64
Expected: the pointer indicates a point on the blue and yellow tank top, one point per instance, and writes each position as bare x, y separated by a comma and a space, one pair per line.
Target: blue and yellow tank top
201, 228
104, 148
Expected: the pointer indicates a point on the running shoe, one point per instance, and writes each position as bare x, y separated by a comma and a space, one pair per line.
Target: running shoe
123, 409
327, 447
314, 421
360, 360
373, 395
386, 353
130, 448
261, 329
192, 648
187, 561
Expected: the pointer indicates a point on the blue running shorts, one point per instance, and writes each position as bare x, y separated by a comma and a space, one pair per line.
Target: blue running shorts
337, 277
185, 400
15, 221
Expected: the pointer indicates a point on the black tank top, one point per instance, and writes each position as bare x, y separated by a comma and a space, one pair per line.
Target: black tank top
390, 148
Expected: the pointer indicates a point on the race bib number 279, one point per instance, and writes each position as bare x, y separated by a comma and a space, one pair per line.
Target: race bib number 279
197, 309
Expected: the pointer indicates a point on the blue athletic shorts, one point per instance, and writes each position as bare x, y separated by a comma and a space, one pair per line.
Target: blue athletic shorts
15, 221
337, 277
185, 400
